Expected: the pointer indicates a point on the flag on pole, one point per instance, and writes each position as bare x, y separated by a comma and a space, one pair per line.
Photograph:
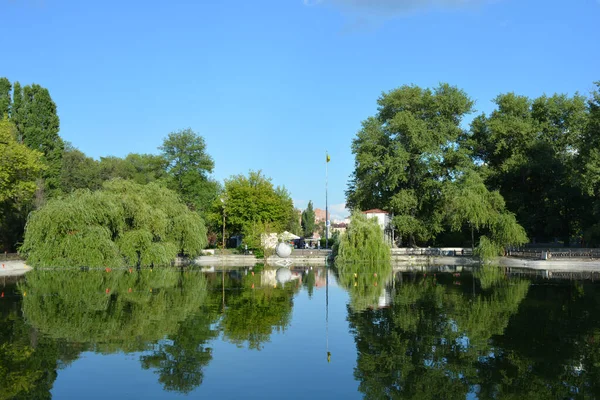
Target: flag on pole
328, 158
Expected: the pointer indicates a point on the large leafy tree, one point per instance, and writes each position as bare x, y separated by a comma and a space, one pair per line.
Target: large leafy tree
308, 220
253, 206
588, 161
20, 167
528, 149
78, 171
124, 223
5, 97
405, 154
189, 165
34, 114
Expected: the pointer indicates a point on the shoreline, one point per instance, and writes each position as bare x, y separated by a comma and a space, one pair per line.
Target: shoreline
19, 267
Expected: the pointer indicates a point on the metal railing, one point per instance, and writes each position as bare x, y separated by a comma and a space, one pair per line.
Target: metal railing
589, 253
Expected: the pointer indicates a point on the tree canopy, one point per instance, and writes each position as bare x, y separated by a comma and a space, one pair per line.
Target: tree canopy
188, 165
252, 206
20, 167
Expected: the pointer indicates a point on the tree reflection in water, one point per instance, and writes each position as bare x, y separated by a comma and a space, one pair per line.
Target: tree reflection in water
417, 335
445, 336
169, 315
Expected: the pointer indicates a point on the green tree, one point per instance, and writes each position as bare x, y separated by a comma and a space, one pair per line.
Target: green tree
588, 165
468, 201
34, 114
78, 171
308, 220
5, 98
189, 165
124, 223
294, 224
406, 153
362, 244
20, 167
146, 168
252, 206
529, 150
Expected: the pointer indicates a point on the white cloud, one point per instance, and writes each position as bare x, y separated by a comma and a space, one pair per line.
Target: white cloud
338, 211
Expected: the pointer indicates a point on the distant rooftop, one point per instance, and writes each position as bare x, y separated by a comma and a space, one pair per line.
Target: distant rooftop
375, 211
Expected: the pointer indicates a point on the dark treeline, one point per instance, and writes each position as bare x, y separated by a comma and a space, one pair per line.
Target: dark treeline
537, 160
38, 168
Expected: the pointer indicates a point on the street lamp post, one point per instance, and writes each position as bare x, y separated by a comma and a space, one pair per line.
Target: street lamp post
223, 249
223, 259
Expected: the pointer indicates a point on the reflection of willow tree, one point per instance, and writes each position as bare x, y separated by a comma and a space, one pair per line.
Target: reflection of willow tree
140, 306
28, 361
365, 283
252, 314
428, 342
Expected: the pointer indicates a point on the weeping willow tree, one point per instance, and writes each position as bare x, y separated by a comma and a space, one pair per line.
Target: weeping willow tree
123, 223
362, 242
362, 262
468, 201
111, 311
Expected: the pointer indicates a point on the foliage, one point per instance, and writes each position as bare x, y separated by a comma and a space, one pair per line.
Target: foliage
469, 201
188, 165
308, 220
252, 206
530, 150
78, 171
5, 97
362, 243
294, 226
406, 153
20, 167
34, 114
124, 223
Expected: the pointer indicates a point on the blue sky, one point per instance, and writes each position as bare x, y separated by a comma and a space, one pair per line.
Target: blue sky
272, 84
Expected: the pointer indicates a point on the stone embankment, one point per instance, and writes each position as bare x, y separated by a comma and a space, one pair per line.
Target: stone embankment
13, 268
400, 258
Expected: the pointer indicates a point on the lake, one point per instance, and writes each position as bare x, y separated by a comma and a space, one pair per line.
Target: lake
445, 333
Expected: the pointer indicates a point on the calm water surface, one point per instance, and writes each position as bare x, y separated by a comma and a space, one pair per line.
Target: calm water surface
254, 333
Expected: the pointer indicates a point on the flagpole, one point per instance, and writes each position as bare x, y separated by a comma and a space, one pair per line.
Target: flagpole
326, 204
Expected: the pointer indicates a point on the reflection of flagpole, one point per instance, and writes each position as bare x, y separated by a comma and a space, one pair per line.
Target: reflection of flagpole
327, 311
326, 204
